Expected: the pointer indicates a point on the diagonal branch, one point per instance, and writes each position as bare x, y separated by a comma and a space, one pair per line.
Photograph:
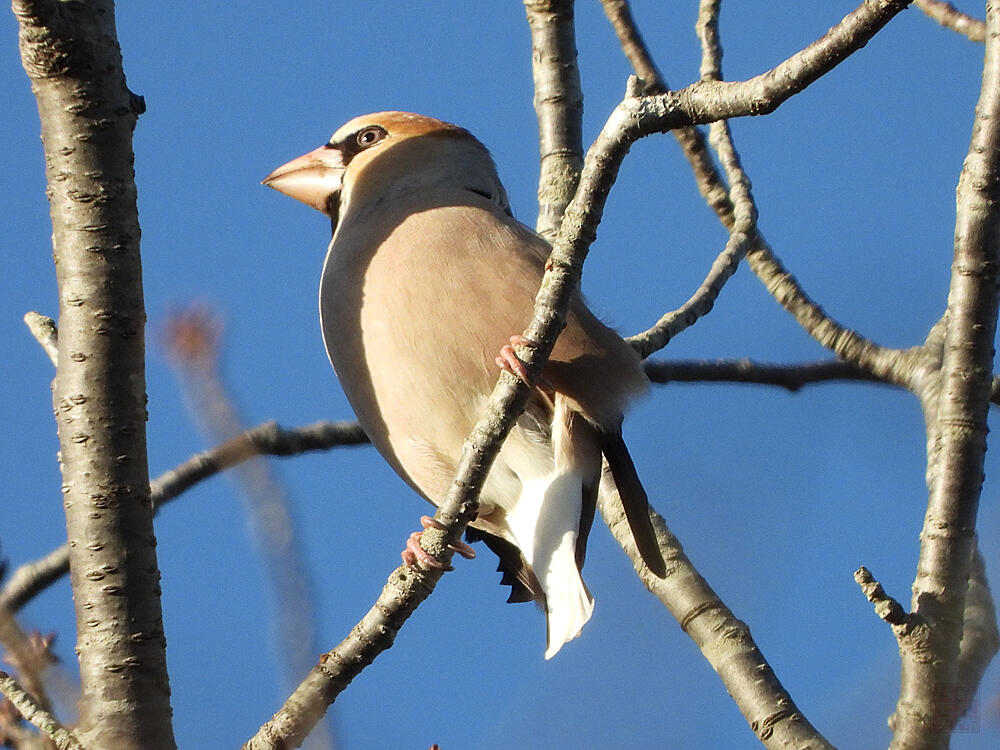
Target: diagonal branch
619, 13
744, 226
884, 364
952, 18
35, 714
723, 639
266, 439
558, 106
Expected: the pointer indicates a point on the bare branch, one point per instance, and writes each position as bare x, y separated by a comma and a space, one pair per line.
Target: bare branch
44, 330
620, 14
32, 712
957, 435
724, 640
952, 18
32, 578
792, 377
193, 340
71, 54
691, 139
744, 226
558, 106
707, 101
886, 607
804, 67
265, 439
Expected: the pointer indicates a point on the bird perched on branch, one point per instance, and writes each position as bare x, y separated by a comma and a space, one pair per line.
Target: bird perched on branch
428, 277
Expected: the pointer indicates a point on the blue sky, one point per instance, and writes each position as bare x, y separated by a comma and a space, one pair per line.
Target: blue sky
777, 497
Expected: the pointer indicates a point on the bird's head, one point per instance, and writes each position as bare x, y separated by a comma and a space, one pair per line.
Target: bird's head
375, 157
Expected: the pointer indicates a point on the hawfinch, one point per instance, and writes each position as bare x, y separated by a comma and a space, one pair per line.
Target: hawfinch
427, 277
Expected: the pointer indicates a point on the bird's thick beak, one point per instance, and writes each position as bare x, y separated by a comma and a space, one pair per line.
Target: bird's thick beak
313, 178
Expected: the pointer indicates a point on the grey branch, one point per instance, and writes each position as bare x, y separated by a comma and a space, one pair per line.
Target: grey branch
792, 377
885, 364
957, 409
952, 18
43, 329
619, 13
724, 640
35, 714
558, 107
744, 225
265, 439
886, 607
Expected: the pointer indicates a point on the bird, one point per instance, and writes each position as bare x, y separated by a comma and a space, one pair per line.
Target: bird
426, 282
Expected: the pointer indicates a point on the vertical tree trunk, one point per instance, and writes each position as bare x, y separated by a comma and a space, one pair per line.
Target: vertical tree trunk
70, 52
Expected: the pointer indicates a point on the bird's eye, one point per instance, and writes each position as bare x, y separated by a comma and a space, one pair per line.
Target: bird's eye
370, 136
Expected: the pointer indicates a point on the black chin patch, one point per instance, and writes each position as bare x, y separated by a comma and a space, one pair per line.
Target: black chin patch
333, 210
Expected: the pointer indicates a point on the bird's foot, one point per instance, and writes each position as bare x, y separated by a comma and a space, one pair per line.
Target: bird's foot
508, 359
414, 553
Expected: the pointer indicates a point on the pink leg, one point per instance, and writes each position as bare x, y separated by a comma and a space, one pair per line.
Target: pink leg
509, 361
414, 553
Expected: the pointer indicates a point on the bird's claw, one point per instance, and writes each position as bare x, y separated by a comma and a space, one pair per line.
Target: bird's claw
414, 553
508, 359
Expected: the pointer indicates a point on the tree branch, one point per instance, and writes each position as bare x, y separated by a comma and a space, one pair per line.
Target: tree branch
71, 54
32, 712
44, 330
957, 435
193, 342
821, 56
724, 640
886, 607
952, 18
744, 226
619, 13
558, 106
265, 439
791, 377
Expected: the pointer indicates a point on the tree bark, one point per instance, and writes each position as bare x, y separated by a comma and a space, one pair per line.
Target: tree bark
71, 55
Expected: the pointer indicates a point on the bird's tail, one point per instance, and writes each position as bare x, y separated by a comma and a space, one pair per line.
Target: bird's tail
548, 541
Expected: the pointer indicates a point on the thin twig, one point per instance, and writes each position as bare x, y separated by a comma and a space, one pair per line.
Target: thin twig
952, 18
265, 439
619, 13
35, 714
886, 607
43, 329
791, 377
885, 364
744, 226
193, 343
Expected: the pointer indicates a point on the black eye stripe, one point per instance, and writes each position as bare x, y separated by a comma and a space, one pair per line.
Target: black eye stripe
353, 144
